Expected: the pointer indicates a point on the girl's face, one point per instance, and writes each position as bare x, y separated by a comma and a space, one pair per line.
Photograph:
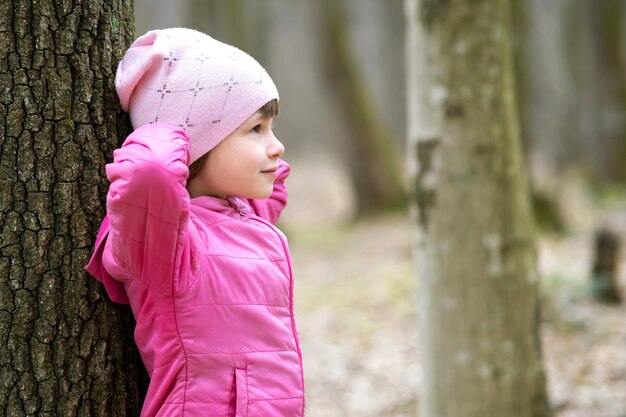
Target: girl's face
242, 165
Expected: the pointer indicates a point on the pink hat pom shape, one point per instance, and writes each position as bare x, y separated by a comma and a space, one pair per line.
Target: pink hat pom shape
188, 79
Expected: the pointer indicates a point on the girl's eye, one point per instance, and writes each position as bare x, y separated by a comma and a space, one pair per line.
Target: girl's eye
257, 129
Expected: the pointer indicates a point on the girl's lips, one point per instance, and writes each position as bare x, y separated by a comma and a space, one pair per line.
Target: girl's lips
270, 173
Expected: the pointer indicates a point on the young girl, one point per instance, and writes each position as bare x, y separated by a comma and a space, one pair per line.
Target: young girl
189, 240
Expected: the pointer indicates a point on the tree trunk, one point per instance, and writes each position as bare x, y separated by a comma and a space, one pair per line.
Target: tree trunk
65, 350
245, 24
478, 304
601, 101
575, 102
370, 150
605, 269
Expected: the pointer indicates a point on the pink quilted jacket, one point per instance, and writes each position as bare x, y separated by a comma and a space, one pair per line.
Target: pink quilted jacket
209, 282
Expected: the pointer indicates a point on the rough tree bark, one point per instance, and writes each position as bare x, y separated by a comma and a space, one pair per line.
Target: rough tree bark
64, 349
478, 304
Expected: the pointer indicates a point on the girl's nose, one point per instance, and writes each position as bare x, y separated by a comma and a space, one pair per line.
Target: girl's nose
276, 149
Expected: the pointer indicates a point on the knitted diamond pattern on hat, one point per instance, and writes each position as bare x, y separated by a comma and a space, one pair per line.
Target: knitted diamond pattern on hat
190, 80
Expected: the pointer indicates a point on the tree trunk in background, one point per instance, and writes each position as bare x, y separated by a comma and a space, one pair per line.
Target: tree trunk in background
478, 303
242, 23
372, 26
574, 107
548, 91
601, 104
370, 150
65, 350
605, 269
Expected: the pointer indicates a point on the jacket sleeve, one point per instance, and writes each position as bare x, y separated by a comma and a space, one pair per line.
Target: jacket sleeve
148, 208
271, 207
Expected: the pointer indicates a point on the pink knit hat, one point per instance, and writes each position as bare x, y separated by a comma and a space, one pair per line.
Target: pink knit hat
190, 80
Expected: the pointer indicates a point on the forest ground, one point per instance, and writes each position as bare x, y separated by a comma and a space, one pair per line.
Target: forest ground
357, 314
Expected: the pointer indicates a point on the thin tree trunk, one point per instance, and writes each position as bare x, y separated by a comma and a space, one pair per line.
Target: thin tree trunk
245, 24
601, 101
575, 92
370, 151
65, 350
605, 269
478, 305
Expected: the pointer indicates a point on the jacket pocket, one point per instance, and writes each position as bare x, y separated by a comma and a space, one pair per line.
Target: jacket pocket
241, 387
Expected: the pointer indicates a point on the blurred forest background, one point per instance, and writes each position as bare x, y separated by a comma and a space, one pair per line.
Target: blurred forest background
339, 66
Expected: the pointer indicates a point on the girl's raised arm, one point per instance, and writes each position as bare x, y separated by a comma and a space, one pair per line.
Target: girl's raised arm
148, 207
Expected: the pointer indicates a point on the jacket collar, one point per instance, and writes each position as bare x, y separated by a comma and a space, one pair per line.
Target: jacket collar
229, 206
